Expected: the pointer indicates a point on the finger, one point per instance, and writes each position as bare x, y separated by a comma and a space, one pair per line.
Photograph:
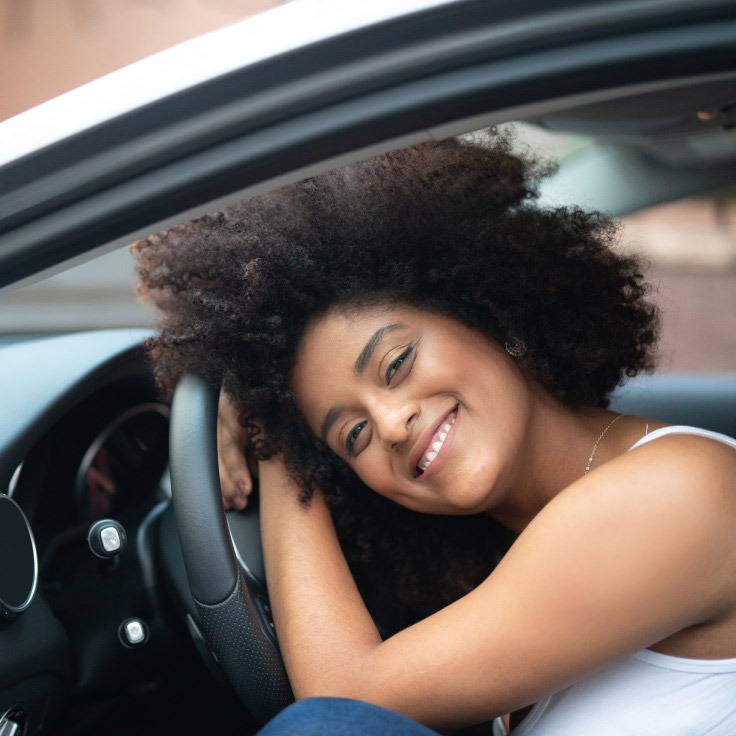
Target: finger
232, 495
235, 476
229, 496
240, 501
227, 482
232, 456
235, 479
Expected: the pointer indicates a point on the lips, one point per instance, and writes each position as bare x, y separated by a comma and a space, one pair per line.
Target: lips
431, 443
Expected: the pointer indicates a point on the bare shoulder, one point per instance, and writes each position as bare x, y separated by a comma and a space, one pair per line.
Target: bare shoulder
685, 472
662, 515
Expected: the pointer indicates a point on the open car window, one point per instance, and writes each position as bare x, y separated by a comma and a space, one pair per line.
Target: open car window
688, 247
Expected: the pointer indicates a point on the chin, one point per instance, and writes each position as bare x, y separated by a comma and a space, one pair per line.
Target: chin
472, 493
473, 499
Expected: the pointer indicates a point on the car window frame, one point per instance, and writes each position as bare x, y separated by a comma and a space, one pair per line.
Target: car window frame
234, 136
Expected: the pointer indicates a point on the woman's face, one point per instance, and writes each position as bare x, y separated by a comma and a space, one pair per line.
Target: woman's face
428, 412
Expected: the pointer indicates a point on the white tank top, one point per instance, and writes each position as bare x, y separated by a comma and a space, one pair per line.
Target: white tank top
646, 694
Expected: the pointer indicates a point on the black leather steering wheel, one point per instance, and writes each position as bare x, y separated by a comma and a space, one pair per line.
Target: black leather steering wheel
231, 602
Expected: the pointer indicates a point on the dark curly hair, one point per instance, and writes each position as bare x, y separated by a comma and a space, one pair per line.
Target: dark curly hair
445, 226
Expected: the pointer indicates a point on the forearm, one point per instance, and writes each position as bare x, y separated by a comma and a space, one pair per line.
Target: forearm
325, 632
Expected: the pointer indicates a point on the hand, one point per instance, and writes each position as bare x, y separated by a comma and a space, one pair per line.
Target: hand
236, 477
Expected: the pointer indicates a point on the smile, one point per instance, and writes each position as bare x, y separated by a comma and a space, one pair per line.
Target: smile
437, 441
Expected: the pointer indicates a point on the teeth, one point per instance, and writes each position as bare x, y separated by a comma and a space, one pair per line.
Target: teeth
436, 445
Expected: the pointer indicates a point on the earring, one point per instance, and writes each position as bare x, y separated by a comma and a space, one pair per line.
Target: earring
514, 347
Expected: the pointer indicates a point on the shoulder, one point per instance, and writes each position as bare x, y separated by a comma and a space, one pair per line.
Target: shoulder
676, 471
656, 523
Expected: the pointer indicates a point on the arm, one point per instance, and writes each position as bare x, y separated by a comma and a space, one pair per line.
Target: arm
585, 584
319, 614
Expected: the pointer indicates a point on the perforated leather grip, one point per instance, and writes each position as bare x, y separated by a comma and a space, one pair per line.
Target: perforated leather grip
247, 657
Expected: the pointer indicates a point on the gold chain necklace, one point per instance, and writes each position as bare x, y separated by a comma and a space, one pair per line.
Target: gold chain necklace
600, 437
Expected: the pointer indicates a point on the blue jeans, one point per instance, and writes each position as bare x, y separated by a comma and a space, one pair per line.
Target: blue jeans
341, 717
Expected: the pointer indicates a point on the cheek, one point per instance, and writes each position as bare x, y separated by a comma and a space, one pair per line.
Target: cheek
374, 470
442, 371
464, 364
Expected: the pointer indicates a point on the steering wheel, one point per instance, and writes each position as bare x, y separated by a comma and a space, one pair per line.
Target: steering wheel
231, 602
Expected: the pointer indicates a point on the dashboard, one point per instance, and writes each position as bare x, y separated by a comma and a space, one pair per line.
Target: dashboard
105, 458
84, 437
87, 438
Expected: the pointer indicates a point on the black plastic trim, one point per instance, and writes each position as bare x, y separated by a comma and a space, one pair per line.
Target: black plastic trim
33, 643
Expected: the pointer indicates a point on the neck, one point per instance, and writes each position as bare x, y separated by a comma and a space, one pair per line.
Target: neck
561, 439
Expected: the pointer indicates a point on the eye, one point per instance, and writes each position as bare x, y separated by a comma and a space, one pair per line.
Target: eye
353, 435
397, 363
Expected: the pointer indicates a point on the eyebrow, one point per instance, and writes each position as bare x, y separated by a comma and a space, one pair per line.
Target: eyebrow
329, 420
360, 364
370, 346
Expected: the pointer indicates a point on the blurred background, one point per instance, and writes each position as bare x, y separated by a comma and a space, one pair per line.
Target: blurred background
51, 46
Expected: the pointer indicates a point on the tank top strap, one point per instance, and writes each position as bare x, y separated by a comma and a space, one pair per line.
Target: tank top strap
682, 429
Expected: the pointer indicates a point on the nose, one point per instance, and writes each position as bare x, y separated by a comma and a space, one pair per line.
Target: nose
394, 419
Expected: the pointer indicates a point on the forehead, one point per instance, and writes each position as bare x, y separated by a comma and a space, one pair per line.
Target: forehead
352, 325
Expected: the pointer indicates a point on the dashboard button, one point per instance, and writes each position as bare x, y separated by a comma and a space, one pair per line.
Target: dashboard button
110, 539
106, 538
133, 632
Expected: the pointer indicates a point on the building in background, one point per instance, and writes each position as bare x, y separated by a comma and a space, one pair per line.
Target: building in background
50, 46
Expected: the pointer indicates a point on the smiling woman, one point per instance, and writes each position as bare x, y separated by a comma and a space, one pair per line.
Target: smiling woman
413, 334
445, 227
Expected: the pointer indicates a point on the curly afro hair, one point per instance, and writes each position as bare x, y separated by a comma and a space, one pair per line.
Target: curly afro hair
445, 226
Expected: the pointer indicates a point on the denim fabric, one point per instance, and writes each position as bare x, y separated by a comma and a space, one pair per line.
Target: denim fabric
341, 717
